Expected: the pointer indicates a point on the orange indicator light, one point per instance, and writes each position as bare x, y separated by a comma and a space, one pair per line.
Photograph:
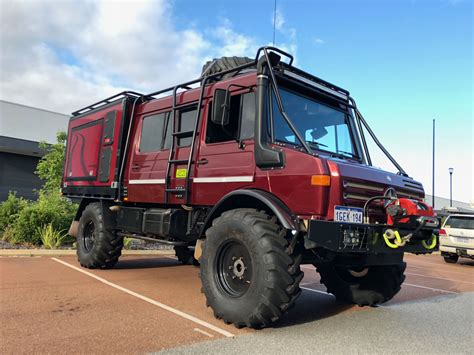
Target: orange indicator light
321, 180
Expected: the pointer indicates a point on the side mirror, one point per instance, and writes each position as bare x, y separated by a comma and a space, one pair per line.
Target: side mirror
220, 107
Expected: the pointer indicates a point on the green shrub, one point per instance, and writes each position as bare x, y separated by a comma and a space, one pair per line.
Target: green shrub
50, 208
10, 209
50, 166
50, 237
8, 234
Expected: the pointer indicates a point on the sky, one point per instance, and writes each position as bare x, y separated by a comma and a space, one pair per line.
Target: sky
406, 62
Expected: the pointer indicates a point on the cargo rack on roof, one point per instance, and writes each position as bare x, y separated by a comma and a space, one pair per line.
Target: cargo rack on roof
121, 95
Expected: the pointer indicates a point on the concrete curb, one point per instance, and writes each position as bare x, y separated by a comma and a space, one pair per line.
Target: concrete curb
67, 252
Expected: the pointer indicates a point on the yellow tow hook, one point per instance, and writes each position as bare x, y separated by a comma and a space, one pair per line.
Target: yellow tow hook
432, 242
391, 234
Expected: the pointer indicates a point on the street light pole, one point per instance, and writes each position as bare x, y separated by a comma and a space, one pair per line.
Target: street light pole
451, 187
433, 171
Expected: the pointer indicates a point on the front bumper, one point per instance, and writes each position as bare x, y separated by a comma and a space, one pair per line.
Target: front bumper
364, 238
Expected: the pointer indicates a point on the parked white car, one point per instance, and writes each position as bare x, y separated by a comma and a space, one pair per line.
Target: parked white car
456, 237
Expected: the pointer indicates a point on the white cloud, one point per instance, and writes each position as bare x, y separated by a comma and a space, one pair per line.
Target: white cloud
318, 41
286, 39
279, 20
62, 55
231, 42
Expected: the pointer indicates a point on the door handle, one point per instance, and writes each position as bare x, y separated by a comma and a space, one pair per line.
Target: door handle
136, 167
202, 161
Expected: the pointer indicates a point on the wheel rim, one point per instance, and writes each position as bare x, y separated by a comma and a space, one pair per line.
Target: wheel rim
88, 236
233, 269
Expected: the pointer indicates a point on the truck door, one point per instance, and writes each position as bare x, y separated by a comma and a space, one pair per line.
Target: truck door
149, 156
226, 159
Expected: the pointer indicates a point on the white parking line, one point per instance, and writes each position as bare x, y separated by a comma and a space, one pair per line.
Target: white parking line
171, 257
438, 278
408, 284
203, 332
149, 300
317, 291
429, 288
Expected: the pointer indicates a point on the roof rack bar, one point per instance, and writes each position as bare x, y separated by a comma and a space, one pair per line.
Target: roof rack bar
107, 100
187, 84
274, 49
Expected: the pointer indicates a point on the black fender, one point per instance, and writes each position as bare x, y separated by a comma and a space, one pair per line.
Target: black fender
252, 198
110, 218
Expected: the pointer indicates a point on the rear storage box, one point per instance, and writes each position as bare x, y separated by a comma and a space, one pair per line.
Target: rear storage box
95, 148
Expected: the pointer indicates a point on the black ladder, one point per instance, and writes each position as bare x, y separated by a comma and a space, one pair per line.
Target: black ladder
175, 136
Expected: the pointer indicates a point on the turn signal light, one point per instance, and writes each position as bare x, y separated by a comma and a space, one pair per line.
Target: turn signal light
321, 180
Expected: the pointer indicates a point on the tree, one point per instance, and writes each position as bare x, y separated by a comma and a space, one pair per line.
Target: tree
50, 167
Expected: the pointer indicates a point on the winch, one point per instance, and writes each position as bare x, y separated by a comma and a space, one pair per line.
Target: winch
405, 213
410, 213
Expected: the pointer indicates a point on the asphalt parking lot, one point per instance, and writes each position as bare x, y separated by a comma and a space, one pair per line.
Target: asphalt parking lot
152, 303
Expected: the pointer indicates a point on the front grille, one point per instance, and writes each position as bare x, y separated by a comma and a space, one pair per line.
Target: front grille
356, 193
360, 192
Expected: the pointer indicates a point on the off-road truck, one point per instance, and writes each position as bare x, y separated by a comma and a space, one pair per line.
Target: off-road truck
252, 169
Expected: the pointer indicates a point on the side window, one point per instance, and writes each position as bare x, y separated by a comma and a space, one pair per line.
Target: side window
168, 127
151, 136
186, 123
247, 121
241, 121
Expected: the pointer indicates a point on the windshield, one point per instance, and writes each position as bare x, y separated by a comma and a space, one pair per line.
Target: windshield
321, 126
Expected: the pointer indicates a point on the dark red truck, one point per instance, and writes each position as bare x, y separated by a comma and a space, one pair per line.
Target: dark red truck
251, 170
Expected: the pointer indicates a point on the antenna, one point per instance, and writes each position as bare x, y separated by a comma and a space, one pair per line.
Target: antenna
433, 171
274, 20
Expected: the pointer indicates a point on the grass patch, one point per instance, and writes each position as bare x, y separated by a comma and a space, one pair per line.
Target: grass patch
51, 238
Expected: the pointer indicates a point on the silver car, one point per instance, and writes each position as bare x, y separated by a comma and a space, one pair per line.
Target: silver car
456, 237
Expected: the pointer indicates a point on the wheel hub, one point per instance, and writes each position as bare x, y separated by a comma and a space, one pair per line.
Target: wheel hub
234, 268
239, 267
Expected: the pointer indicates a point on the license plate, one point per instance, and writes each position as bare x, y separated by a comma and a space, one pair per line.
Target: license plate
348, 214
462, 240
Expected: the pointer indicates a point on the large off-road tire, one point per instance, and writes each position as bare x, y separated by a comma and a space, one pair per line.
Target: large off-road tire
450, 258
367, 287
249, 272
97, 248
185, 255
224, 63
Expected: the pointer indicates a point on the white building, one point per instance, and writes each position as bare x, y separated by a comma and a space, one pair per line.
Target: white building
441, 203
21, 129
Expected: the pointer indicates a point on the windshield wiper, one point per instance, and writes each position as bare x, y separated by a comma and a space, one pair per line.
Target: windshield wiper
316, 144
352, 155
